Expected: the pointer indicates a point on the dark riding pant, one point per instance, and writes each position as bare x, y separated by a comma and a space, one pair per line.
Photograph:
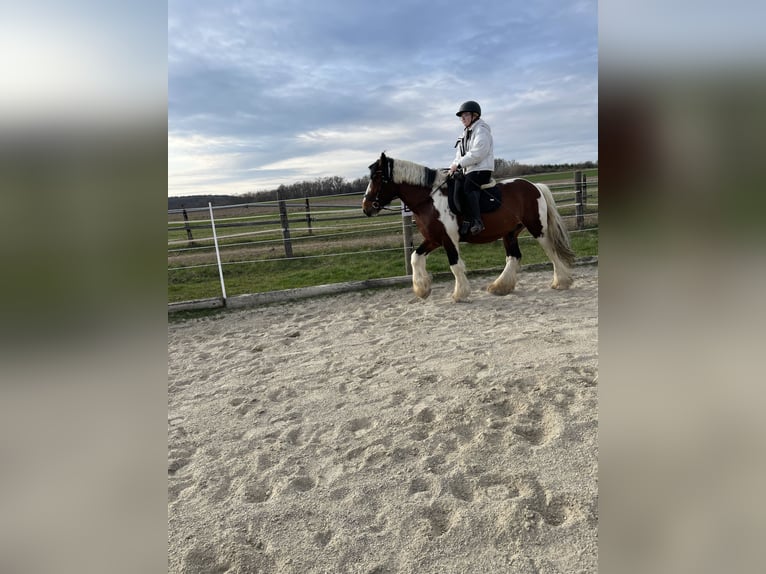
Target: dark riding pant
469, 189
475, 179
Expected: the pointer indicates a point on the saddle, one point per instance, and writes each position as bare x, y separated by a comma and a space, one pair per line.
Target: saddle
489, 198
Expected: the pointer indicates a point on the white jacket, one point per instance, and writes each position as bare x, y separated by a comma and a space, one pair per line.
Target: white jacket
479, 149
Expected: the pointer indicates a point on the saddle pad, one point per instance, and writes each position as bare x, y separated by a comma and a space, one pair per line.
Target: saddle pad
489, 199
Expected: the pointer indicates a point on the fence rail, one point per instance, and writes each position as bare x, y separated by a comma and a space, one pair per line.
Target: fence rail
322, 227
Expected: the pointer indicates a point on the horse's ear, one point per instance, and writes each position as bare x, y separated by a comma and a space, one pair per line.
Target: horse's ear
383, 157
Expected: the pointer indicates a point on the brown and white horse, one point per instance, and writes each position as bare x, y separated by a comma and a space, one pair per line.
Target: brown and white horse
523, 205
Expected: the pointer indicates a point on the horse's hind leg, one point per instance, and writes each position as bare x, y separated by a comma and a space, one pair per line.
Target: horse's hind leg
506, 282
562, 274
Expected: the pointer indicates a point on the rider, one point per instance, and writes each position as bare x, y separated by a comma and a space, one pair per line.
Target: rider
475, 157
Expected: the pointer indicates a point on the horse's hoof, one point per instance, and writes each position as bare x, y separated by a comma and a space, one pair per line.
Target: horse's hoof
500, 291
461, 295
422, 294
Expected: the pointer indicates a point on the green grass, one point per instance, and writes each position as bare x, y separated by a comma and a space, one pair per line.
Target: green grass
185, 285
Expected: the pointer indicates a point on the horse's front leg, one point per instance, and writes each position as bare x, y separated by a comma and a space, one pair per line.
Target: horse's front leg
456, 265
421, 279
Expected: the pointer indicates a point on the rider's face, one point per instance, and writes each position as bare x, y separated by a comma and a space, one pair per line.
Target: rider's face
466, 118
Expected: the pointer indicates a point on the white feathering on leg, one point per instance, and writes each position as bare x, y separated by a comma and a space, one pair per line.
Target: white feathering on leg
421, 280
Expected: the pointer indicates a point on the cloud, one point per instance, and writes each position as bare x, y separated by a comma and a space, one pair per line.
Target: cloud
345, 162
304, 89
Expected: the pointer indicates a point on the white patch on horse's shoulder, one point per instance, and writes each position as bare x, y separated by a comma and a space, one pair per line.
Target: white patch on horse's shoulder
448, 219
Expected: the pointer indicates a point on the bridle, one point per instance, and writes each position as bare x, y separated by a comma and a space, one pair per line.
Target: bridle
386, 176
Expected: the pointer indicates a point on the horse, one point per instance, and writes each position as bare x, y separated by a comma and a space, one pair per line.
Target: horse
523, 205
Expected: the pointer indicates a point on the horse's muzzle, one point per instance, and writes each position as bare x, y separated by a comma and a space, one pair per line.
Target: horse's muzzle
370, 208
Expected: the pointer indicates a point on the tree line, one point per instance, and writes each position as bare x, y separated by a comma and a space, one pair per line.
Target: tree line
337, 185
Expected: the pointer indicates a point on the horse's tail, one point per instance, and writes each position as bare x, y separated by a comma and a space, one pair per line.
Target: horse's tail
557, 231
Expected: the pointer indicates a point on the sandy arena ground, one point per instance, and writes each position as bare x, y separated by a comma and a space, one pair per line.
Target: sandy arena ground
373, 433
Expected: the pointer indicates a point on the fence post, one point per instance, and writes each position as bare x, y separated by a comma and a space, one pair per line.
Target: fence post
407, 229
217, 253
285, 227
579, 211
188, 229
584, 189
308, 216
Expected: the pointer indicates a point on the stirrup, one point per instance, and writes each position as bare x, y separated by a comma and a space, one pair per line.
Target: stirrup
477, 227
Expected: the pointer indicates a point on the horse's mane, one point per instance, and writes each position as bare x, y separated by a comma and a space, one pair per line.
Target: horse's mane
414, 174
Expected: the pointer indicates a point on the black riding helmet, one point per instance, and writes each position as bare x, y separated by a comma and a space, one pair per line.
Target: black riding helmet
469, 106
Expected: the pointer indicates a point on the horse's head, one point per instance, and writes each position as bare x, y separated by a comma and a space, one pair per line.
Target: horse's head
380, 191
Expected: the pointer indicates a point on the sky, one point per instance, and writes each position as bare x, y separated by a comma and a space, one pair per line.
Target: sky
270, 92
81, 62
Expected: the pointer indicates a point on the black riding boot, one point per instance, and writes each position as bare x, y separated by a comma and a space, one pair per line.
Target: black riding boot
477, 226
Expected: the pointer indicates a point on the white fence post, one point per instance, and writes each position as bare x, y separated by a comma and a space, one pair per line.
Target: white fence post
217, 253
579, 203
407, 232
